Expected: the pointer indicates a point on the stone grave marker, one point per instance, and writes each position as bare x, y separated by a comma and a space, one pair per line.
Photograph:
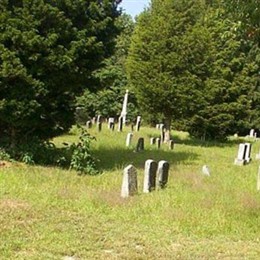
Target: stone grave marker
152, 140
99, 118
248, 153
171, 144
120, 124
252, 133
93, 120
140, 144
88, 124
138, 123
240, 160
162, 134
158, 142
129, 184
111, 123
163, 173
129, 139
157, 126
161, 126
150, 176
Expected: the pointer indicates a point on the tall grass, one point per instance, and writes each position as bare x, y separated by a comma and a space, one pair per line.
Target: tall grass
50, 213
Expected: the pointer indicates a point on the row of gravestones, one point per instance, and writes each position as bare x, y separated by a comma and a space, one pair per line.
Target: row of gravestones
140, 142
151, 171
111, 123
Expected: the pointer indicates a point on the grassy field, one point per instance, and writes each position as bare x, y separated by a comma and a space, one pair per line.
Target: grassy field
50, 213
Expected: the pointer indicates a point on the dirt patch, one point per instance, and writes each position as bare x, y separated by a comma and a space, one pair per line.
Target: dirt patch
5, 164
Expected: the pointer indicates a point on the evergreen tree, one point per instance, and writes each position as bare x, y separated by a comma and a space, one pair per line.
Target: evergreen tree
48, 51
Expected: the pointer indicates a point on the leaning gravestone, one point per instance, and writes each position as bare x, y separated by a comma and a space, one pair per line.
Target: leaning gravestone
163, 173
129, 139
243, 155
129, 184
150, 176
138, 123
140, 144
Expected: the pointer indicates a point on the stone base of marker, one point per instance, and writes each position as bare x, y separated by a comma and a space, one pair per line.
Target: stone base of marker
239, 162
129, 184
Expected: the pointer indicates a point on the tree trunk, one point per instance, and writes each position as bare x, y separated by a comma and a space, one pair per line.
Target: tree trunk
167, 136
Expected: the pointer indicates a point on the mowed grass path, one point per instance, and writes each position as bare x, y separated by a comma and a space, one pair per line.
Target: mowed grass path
50, 213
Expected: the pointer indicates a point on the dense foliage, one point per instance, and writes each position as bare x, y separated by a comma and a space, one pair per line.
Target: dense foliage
193, 63
48, 51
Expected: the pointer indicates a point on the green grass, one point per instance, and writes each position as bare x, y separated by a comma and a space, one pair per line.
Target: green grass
50, 213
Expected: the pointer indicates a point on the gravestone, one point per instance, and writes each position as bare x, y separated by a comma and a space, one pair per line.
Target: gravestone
132, 127
252, 133
162, 134
99, 126
129, 139
157, 126
161, 126
158, 142
150, 176
120, 124
88, 124
163, 173
93, 120
243, 155
205, 170
171, 144
99, 118
111, 123
248, 153
140, 144
138, 123
152, 140
129, 184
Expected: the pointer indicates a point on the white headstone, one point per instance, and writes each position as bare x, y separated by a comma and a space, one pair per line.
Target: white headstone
129, 184
248, 152
149, 176
152, 140
111, 122
129, 139
158, 142
124, 108
240, 160
138, 123
252, 133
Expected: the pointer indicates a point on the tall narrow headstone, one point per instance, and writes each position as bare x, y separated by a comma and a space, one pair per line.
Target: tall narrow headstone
138, 123
248, 152
163, 173
93, 120
171, 144
88, 124
124, 108
120, 124
150, 176
162, 134
157, 126
140, 144
129, 139
158, 142
99, 118
129, 184
252, 133
152, 140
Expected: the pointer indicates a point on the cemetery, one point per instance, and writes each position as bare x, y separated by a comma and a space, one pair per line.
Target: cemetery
128, 137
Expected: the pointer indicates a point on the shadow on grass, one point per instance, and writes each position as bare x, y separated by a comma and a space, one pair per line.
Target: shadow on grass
113, 158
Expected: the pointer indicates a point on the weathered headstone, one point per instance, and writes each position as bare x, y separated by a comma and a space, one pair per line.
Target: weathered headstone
99, 126
161, 126
124, 108
158, 142
111, 122
138, 123
140, 144
93, 120
152, 140
129, 184
132, 127
120, 124
150, 176
205, 170
99, 118
129, 139
243, 155
88, 124
157, 126
248, 153
171, 144
163, 173
252, 133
